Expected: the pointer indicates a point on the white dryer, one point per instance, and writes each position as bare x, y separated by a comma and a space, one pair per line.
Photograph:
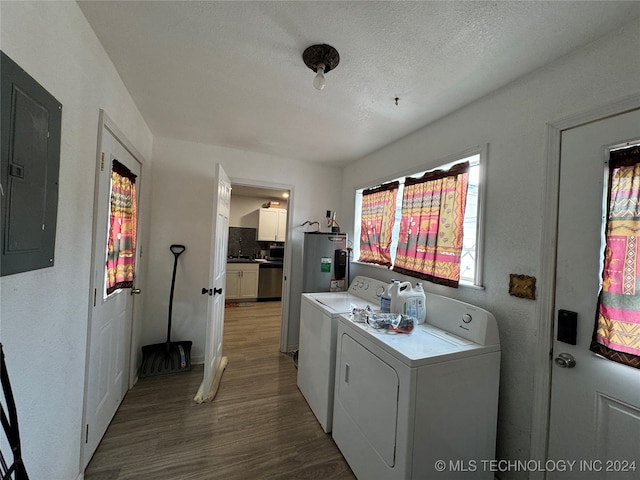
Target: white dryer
404, 402
319, 314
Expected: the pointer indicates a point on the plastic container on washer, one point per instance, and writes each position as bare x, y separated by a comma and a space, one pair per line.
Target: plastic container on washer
408, 300
385, 298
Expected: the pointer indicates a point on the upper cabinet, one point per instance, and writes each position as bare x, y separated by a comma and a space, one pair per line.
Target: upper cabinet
272, 225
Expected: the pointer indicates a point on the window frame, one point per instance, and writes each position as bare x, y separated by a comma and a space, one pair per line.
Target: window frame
441, 163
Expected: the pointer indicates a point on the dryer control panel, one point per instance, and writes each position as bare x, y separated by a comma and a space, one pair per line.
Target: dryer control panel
367, 288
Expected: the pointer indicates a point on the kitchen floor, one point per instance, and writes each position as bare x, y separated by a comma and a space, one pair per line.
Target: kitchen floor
258, 426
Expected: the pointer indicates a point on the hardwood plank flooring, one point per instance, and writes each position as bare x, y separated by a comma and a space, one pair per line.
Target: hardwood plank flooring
258, 426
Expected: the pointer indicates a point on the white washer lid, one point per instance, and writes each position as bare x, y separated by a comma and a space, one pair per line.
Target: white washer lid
424, 345
338, 302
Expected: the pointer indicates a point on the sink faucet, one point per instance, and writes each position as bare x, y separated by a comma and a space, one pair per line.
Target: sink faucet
239, 248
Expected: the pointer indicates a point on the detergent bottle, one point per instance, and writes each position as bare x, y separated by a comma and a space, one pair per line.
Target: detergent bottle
420, 302
385, 298
397, 292
409, 301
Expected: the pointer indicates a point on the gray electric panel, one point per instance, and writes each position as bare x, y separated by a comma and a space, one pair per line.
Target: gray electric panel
30, 120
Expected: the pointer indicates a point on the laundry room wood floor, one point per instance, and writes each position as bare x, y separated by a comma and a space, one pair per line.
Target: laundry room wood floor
258, 426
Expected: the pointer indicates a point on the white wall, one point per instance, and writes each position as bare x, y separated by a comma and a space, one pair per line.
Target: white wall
44, 313
512, 121
243, 211
181, 213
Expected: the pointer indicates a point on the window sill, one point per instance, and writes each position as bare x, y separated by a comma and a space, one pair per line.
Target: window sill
463, 284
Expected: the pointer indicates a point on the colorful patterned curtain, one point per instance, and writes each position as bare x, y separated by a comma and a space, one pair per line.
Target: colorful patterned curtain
430, 242
616, 334
121, 250
378, 214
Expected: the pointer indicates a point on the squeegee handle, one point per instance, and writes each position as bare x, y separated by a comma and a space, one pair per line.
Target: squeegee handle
177, 251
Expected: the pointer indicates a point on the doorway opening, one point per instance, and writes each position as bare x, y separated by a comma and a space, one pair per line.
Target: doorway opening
257, 248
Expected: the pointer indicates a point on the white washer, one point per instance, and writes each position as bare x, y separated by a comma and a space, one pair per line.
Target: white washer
319, 314
405, 401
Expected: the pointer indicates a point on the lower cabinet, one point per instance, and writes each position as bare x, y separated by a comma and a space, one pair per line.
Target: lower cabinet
242, 281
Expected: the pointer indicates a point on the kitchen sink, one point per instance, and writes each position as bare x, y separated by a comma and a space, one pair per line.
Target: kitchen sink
240, 260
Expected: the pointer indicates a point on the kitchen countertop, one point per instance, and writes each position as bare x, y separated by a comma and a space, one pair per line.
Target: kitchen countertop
260, 261
241, 260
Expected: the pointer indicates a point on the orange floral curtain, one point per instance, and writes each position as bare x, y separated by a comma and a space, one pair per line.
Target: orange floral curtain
121, 250
378, 216
616, 334
431, 228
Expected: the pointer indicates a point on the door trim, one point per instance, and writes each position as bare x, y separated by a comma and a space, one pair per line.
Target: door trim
545, 311
105, 122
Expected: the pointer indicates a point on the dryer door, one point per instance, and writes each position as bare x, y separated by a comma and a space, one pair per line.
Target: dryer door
368, 392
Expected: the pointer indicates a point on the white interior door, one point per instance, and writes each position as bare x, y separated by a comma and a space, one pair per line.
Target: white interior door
218, 259
111, 317
595, 406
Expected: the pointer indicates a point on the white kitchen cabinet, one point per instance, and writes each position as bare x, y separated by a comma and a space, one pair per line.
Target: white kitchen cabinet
242, 281
272, 225
281, 233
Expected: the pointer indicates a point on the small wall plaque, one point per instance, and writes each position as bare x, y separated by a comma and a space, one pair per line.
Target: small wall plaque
522, 286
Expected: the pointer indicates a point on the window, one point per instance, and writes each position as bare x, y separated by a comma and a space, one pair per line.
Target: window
470, 264
618, 315
121, 243
377, 220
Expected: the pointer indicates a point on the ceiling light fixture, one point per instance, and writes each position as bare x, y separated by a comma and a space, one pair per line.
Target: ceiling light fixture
321, 59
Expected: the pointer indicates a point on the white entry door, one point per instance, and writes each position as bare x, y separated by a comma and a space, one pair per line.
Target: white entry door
109, 340
595, 406
217, 280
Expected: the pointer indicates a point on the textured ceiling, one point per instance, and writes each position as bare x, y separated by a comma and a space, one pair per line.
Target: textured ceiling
230, 73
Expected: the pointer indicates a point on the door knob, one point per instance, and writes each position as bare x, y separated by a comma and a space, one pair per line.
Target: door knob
565, 360
137, 291
210, 292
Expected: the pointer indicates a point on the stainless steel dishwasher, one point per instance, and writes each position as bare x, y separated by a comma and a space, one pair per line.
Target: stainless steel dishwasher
270, 281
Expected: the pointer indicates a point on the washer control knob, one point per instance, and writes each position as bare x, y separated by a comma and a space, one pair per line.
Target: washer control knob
366, 286
466, 318
379, 291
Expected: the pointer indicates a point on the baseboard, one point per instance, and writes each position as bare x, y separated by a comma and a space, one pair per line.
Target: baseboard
197, 360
